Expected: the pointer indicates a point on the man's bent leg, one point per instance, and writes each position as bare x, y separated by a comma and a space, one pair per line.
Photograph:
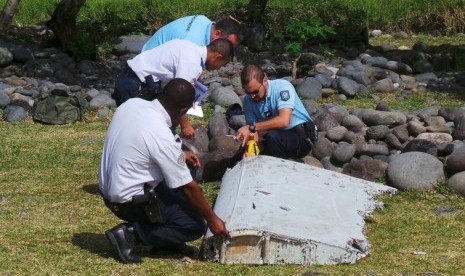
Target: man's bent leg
180, 223
281, 143
122, 236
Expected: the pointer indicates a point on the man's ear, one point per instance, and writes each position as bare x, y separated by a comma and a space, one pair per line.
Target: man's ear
216, 34
218, 56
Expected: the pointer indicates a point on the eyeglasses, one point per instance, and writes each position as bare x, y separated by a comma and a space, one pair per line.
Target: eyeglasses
256, 91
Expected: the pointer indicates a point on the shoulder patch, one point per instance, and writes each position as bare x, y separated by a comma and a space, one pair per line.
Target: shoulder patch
284, 95
181, 159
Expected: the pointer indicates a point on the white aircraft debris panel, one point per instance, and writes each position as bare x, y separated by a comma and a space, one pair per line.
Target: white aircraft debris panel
280, 211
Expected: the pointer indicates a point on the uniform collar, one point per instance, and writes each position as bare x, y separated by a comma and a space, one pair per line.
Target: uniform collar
203, 58
208, 33
160, 107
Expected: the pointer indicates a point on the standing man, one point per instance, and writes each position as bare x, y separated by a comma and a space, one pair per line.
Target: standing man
198, 29
144, 180
273, 107
175, 59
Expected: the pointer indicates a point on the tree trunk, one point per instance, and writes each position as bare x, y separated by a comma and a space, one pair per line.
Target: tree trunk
258, 5
7, 14
63, 22
255, 10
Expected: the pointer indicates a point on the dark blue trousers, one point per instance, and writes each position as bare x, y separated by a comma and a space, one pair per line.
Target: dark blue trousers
285, 143
179, 222
129, 86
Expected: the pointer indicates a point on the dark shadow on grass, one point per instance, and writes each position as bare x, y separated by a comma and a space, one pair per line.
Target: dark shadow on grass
95, 243
91, 189
98, 244
170, 254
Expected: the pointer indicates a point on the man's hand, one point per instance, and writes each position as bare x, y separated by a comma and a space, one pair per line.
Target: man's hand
218, 228
192, 158
188, 132
194, 196
243, 134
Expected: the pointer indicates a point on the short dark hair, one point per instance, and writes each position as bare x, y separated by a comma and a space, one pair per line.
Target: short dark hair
222, 46
229, 26
177, 93
252, 71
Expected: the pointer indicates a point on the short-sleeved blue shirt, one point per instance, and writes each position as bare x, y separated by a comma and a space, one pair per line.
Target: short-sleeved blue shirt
195, 28
281, 94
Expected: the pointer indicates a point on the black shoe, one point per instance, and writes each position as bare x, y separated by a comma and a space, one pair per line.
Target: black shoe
122, 237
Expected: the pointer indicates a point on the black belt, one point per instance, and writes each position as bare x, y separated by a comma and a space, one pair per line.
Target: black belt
141, 207
135, 200
307, 130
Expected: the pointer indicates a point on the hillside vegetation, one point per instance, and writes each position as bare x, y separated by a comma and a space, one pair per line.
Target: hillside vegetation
100, 21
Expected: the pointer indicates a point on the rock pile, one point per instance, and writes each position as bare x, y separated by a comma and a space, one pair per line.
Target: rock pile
411, 150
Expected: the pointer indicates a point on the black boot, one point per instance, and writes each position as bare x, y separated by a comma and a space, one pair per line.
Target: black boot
123, 238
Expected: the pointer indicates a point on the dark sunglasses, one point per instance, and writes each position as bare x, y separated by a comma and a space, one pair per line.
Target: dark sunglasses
255, 92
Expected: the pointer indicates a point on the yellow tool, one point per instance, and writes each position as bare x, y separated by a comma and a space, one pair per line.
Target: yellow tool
252, 147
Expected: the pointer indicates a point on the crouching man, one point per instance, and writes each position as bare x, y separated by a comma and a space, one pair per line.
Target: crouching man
273, 107
144, 179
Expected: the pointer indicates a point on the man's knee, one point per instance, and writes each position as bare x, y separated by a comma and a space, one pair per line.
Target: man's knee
272, 136
273, 145
199, 229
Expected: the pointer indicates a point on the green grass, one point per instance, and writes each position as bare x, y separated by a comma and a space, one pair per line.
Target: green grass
401, 102
53, 219
409, 42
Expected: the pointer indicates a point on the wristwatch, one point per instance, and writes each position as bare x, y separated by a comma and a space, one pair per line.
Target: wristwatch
252, 128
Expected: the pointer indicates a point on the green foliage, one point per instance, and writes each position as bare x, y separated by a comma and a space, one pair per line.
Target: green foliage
103, 51
299, 32
293, 21
303, 30
83, 48
326, 51
292, 47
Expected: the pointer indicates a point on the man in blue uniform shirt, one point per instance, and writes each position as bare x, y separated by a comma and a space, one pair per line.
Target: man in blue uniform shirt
274, 108
198, 29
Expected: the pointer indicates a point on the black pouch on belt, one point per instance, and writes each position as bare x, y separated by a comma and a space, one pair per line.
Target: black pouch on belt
152, 209
150, 203
307, 131
311, 130
149, 90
